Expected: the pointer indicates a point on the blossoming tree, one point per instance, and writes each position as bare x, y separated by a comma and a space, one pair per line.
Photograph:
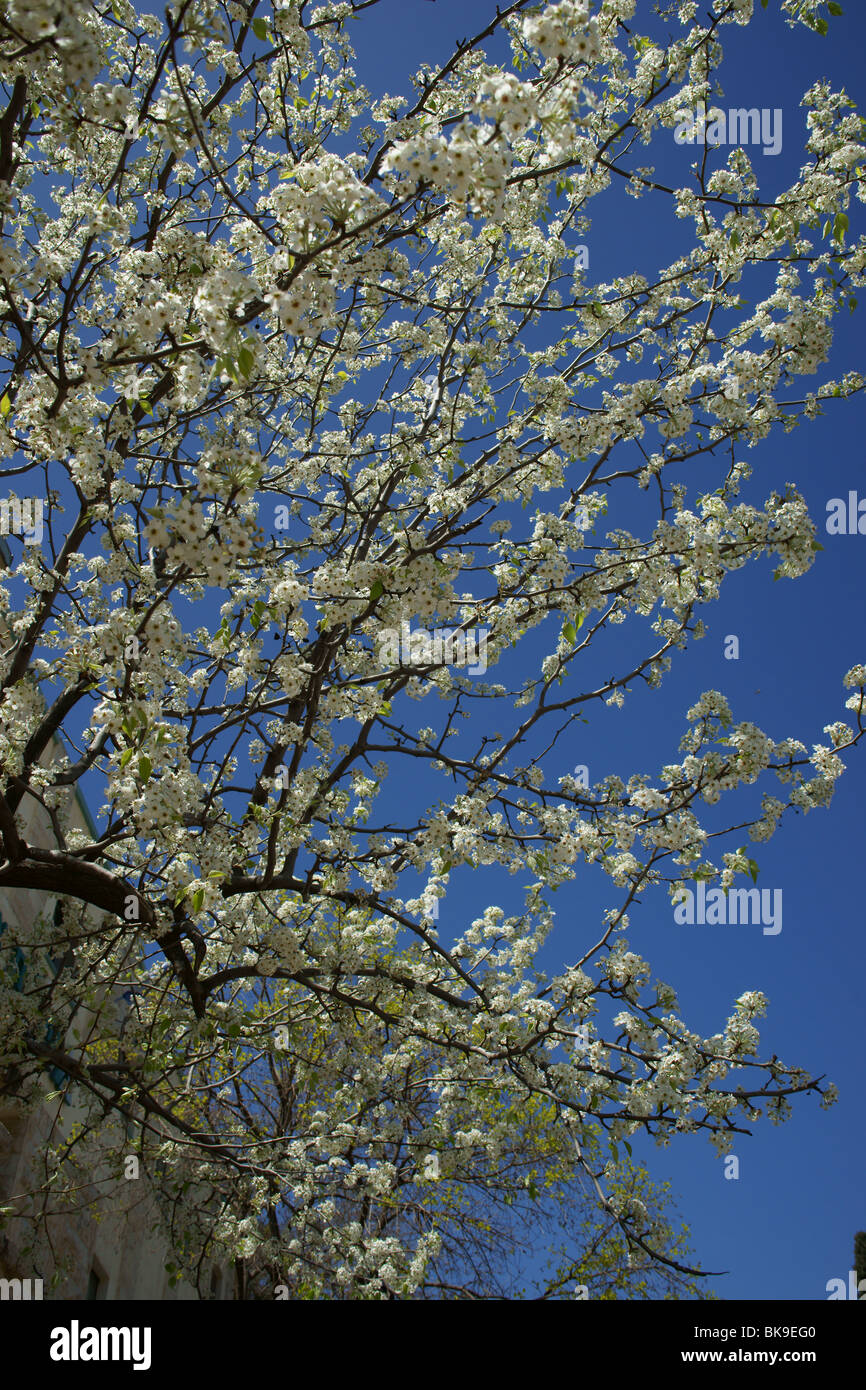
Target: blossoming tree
291, 369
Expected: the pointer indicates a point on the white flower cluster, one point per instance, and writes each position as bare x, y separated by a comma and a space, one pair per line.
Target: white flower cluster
512, 104
59, 31
314, 196
310, 293
112, 104
287, 595
21, 710
222, 292
189, 538
564, 31
287, 23
469, 166
283, 943
153, 315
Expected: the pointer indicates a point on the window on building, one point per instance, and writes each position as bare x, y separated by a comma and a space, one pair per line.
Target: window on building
97, 1282
18, 967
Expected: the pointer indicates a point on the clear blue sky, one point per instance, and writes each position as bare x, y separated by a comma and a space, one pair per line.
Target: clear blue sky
787, 1225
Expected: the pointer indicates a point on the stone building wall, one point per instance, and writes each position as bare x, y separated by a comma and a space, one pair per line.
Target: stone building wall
106, 1248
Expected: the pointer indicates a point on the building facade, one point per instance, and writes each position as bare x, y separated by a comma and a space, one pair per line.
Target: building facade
109, 1246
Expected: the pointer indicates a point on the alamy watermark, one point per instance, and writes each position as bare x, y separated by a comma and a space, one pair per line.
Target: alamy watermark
846, 519
441, 647
76, 1343
715, 907
855, 1289
740, 125
18, 1289
22, 516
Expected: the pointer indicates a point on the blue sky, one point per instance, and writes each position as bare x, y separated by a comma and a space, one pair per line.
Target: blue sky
786, 1226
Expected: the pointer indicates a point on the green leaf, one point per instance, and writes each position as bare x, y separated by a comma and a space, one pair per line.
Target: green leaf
569, 633
260, 29
753, 870
377, 590
258, 614
840, 226
145, 767
834, 8
5, 406
197, 899
246, 361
